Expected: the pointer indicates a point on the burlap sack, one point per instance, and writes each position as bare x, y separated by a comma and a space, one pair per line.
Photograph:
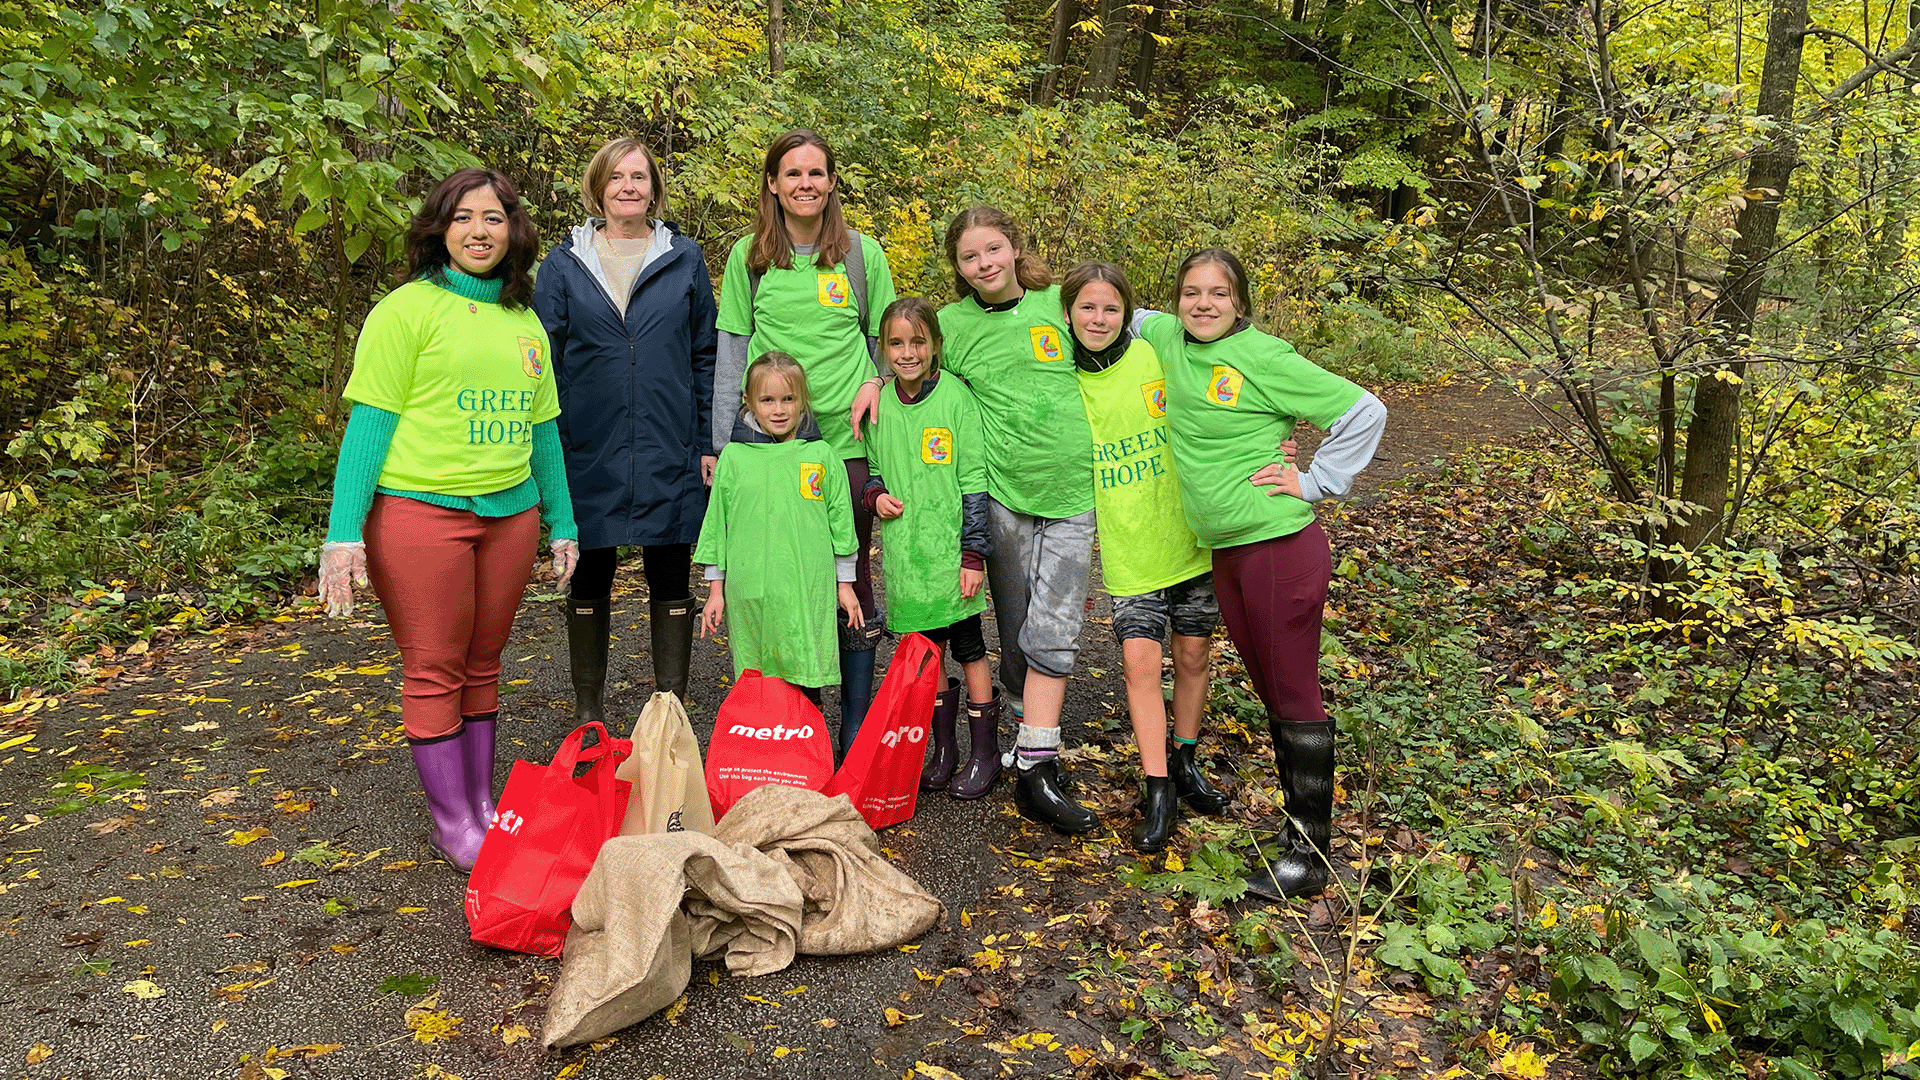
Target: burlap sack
856, 901
630, 951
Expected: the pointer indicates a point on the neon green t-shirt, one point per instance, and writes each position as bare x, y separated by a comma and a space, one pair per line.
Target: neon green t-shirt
1016, 362
929, 453
809, 313
778, 514
1230, 404
468, 380
1145, 543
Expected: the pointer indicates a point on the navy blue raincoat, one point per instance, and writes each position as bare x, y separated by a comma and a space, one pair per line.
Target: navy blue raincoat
636, 393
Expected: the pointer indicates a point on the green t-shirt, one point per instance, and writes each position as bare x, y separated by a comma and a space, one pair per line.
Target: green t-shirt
1039, 450
778, 515
1231, 403
1145, 543
929, 453
469, 379
810, 314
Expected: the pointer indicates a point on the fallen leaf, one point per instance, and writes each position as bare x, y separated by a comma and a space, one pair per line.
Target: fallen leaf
895, 1017
303, 882
934, 1072
738, 1042
274, 859
673, 1011
220, 797
112, 824
431, 1025
143, 988
514, 1033
403, 864
311, 1050
39, 1053
219, 1025
204, 725
242, 839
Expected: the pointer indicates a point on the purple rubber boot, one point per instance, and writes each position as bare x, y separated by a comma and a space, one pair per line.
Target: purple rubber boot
456, 832
476, 741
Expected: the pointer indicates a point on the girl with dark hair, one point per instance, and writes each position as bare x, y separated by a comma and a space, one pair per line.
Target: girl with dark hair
449, 449
1156, 570
629, 307
805, 284
929, 490
1233, 394
1006, 338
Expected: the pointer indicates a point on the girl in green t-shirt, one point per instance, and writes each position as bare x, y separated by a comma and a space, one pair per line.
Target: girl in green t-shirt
1157, 572
1233, 395
778, 539
1006, 338
928, 487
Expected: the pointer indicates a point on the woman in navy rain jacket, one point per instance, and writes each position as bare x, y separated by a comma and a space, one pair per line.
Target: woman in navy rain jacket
629, 308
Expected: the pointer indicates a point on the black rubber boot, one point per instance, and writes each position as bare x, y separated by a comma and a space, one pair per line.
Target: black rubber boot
1307, 778
939, 767
672, 645
857, 647
982, 767
1183, 765
588, 624
1158, 808
1040, 798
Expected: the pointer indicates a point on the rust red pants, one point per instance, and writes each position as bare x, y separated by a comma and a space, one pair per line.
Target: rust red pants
450, 581
1273, 595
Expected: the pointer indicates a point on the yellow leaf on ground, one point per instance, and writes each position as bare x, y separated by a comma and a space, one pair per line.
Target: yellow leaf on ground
296, 884
673, 1011
142, 988
39, 1053
513, 1033
311, 1050
1521, 1063
934, 1072
431, 1025
242, 839
274, 859
895, 1017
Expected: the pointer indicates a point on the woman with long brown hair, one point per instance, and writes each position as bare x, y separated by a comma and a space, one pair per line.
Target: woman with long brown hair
450, 462
805, 284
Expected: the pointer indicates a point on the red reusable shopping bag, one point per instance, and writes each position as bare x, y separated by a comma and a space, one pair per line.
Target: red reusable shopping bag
548, 831
766, 732
882, 771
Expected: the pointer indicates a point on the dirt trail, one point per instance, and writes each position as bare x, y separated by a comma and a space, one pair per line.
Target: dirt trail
238, 916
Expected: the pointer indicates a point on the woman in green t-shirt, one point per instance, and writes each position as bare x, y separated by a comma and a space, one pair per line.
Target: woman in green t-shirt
1234, 395
805, 284
449, 450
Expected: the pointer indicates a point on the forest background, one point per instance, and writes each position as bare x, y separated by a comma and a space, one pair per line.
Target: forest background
1673, 795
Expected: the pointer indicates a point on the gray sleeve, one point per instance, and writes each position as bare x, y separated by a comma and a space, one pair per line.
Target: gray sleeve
1349, 446
716, 573
975, 535
1140, 317
729, 369
846, 567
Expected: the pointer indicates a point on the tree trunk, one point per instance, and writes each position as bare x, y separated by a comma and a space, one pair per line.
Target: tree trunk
1143, 66
1104, 68
1706, 478
1063, 13
776, 37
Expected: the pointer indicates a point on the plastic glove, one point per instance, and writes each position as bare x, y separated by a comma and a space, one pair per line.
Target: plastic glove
343, 565
566, 556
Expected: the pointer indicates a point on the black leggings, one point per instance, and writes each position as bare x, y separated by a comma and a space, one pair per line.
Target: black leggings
857, 474
667, 568
968, 644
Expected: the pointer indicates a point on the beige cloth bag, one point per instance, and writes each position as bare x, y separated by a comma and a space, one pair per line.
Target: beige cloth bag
630, 950
669, 781
856, 901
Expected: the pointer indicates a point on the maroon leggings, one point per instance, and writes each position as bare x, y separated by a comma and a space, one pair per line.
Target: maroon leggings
857, 473
450, 581
1272, 595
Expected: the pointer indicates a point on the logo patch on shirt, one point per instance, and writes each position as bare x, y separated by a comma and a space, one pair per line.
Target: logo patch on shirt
812, 476
835, 291
530, 361
1046, 343
936, 446
1223, 387
1155, 393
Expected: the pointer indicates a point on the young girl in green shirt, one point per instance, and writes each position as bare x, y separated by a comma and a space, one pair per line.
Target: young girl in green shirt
778, 539
928, 488
1157, 572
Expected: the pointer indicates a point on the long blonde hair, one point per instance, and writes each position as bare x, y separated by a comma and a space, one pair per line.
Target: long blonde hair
775, 362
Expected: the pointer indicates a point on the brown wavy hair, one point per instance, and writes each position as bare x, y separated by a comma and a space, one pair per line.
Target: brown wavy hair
771, 244
593, 184
1029, 270
427, 254
1225, 260
919, 313
1086, 274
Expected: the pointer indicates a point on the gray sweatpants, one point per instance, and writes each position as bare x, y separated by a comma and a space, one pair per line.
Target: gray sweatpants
1039, 574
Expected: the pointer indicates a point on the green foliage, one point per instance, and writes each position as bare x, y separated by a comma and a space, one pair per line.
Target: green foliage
1214, 874
80, 786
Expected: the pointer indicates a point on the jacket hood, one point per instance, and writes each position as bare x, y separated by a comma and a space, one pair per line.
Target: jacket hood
746, 429
581, 246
